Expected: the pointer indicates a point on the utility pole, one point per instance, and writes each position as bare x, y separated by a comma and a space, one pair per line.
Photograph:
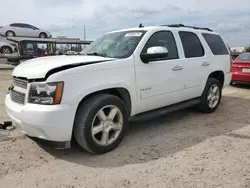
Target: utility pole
84, 33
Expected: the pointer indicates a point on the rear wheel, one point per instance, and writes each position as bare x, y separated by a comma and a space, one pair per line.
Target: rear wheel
211, 96
6, 50
10, 34
100, 123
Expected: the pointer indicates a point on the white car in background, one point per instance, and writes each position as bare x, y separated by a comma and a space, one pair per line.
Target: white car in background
71, 53
7, 48
23, 30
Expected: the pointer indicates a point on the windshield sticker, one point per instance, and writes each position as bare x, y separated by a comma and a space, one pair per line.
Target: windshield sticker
133, 34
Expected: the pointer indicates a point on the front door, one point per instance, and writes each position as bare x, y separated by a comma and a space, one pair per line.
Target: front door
30, 31
159, 82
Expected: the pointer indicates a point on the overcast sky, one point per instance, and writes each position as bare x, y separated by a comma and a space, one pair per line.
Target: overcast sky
231, 18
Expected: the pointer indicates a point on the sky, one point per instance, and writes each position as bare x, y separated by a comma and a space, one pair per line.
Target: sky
230, 18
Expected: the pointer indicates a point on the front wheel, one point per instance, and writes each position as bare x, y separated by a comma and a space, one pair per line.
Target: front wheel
43, 35
100, 123
211, 96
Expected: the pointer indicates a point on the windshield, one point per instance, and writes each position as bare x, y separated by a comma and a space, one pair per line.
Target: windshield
244, 56
116, 45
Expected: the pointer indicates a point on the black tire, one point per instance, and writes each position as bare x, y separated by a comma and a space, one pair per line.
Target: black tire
6, 50
10, 34
43, 35
204, 105
83, 122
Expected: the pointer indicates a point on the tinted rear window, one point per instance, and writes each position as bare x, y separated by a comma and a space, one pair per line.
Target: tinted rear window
216, 44
191, 44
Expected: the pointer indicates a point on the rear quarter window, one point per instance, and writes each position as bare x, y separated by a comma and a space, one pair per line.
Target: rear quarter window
216, 44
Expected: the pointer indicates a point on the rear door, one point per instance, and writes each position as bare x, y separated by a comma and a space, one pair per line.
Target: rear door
18, 29
195, 64
29, 31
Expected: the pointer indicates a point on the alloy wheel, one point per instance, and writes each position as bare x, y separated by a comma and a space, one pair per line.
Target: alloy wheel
107, 125
213, 96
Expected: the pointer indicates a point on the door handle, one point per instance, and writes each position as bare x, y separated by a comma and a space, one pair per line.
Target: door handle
205, 63
177, 67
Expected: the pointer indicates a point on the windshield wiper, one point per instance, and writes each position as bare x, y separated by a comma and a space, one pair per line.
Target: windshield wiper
97, 54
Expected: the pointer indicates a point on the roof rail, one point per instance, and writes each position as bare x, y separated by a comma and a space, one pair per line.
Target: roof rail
182, 25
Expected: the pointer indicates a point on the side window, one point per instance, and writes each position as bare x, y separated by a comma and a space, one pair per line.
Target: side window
216, 44
30, 46
165, 39
191, 44
26, 26
17, 25
14, 25
29, 27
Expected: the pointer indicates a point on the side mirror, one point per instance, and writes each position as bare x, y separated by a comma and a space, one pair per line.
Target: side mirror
154, 53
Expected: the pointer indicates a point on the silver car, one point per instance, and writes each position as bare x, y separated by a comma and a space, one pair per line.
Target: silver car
7, 48
23, 30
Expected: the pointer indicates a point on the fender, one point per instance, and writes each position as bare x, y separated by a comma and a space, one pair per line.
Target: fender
106, 87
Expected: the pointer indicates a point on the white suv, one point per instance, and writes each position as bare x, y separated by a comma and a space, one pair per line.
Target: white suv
124, 74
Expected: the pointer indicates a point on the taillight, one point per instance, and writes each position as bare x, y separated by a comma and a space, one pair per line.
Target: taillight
1, 26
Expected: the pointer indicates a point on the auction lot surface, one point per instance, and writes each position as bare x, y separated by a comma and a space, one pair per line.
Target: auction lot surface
182, 149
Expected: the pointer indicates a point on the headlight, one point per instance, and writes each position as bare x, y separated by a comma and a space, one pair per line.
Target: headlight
46, 93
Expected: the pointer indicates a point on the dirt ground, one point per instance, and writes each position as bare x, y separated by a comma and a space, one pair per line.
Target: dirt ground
182, 149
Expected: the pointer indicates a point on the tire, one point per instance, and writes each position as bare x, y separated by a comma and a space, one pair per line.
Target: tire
204, 105
42, 35
6, 50
87, 115
10, 34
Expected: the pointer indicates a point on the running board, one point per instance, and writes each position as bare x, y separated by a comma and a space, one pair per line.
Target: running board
165, 110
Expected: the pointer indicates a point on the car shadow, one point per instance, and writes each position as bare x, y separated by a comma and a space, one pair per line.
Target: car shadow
241, 86
162, 137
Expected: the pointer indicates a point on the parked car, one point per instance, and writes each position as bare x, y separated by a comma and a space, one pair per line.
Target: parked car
70, 52
23, 30
241, 69
7, 48
142, 72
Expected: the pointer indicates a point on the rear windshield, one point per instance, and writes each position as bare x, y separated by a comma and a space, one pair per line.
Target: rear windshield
244, 56
216, 44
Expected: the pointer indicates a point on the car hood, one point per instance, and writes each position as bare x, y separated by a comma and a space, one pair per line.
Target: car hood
39, 67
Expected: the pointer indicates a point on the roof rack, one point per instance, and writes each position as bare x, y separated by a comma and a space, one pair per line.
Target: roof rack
193, 27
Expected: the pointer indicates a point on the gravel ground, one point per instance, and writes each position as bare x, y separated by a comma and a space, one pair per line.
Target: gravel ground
182, 149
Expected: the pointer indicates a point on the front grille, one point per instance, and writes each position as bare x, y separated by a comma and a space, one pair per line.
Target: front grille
17, 97
20, 83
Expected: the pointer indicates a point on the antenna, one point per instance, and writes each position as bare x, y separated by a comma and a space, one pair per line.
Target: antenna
140, 26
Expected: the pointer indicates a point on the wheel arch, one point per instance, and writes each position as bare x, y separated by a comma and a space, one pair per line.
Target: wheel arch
43, 33
6, 46
219, 75
120, 92
10, 31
